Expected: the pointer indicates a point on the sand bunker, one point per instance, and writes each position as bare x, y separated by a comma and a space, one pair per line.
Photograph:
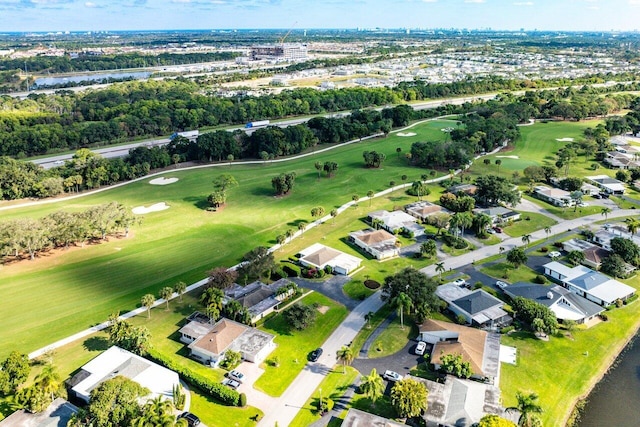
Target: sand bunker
509, 157
138, 210
407, 134
163, 181
564, 139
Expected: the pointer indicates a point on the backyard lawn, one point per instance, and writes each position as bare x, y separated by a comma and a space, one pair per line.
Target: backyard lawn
294, 346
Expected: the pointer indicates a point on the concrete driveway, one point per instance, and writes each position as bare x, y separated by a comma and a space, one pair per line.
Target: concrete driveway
401, 362
331, 288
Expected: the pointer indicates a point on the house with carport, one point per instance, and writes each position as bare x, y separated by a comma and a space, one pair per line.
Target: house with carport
380, 244
395, 221
478, 307
258, 298
319, 256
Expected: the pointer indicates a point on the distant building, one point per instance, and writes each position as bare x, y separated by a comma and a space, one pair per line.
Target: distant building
555, 196
499, 214
287, 52
119, 362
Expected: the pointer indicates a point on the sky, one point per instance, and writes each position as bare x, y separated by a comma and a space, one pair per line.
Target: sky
105, 15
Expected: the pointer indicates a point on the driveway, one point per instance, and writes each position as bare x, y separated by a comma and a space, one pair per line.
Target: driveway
401, 362
332, 288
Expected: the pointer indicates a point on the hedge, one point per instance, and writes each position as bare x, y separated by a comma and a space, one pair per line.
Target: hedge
216, 390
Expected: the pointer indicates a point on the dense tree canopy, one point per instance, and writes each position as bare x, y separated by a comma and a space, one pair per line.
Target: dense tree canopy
493, 190
417, 286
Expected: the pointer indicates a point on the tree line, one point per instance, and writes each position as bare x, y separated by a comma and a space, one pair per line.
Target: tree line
28, 236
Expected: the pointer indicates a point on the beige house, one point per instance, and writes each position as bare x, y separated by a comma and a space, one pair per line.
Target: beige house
379, 243
319, 256
423, 210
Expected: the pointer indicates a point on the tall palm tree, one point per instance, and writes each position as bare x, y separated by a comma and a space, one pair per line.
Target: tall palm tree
156, 412
547, 231
402, 301
605, 212
632, 225
212, 312
48, 380
147, 301
166, 293
180, 288
372, 386
370, 195
528, 407
212, 296
345, 354
440, 268
526, 239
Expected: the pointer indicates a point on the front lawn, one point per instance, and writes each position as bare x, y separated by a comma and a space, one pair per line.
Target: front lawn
214, 414
293, 346
393, 338
332, 386
505, 271
356, 290
366, 332
534, 222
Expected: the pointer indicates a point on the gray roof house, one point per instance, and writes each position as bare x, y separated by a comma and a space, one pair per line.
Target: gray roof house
259, 299
564, 304
499, 214
592, 285
478, 307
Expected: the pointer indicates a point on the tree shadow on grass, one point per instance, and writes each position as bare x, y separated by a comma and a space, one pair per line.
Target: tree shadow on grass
96, 344
198, 202
263, 191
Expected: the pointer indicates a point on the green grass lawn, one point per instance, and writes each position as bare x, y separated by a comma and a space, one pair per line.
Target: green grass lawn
355, 289
366, 332
565, 213
84, 285
393, 338
535, 222
333, 386
213, 414
294, 346
520, 274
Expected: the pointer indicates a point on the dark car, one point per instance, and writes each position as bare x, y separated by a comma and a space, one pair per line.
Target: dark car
315, 354
597, 196
192, 420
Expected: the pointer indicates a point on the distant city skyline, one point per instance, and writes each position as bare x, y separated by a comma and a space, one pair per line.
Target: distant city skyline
112, 15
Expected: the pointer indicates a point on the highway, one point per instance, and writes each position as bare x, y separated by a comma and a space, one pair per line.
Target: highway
123, 150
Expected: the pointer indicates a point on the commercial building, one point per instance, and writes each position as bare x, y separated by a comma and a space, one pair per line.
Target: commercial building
286, 52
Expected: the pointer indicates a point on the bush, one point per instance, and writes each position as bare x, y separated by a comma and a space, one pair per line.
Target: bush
619, 303
544, 249
454, 242
273, 361
461, 320
558, 245
507, 329
631, 299
242, 401
291, 270
604, 317
328, 269
218, 391
478, 285
540, 279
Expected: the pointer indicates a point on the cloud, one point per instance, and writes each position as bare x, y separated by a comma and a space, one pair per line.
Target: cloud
474, 1
634, 2
429, 1
593, 7
523, 3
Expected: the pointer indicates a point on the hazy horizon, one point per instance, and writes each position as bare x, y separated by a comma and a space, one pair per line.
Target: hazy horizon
167, 15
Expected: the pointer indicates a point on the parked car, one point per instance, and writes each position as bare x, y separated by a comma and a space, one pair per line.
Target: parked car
605, 195
391, 376
231, 383
460, 282
497, 229
597, 196
583, 204
500, 284
554, 254
235, 375
421, 347
315, 355
192, 420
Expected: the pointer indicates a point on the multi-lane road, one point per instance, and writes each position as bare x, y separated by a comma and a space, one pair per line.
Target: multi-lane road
123, 150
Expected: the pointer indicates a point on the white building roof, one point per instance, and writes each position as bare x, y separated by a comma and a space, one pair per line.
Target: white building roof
117, 361
393, 220
321, 256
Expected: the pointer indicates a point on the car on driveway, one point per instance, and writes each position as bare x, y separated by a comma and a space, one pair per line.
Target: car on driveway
421, 347
231, 383
497, 229
391, 376
459, 282
554, 254
583, 204
235, 375
192, 420
500, 284
315, 355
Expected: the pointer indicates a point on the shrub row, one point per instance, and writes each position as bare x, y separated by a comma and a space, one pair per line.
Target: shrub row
216, 390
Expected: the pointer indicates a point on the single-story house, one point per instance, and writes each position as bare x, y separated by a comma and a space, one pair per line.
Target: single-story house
593, 254
58, 413
607, 184
253, 344
469, 189
259, 299
119, 362
396, 221
565, 304
423, 210
555, 196
379, 243
480, 348
589, 190
607, 233
498, 214
590, 284
621, 160
358, 418
477, 307
319, 256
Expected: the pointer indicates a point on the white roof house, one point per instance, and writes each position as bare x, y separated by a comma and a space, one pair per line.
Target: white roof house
592, 285
555, 196
608, 184
397, 220
119, 362
320, 256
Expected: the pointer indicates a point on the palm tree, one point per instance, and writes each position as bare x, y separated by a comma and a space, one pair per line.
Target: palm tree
212, 312
180, 288
156, 412
370, 195
440, 268
334, 214
48, 380
345, 354
632, 225
368, 317
547, 231
147, 301
526, 239
213, 296
301, 226
402, 301
528, 407
372, 386
428, 248
166, 293
605, 212
289, 234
